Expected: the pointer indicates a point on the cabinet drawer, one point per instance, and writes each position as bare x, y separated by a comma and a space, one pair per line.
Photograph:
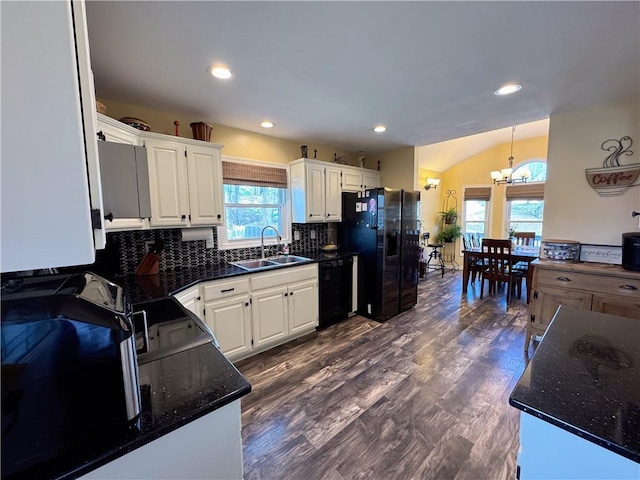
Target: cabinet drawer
224, 288
627, 287
564, 279
284, 276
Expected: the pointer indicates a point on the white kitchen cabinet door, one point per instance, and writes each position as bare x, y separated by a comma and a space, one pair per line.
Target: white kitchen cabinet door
230, 322
46, 194
315, 193
270, 320
204, 167
303, 307
168, 183
333, 195
190, 299
351, 181
370, 180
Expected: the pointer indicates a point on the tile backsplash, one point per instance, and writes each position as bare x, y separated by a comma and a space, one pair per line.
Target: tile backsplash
177, 254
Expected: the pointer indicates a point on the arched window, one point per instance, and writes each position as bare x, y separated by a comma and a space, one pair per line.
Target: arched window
525, 205
537, 169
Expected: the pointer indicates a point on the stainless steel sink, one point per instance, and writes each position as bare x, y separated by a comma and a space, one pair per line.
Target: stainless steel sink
254, 264
289, 259
262, 263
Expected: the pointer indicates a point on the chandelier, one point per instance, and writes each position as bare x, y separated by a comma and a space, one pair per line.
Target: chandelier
506, 175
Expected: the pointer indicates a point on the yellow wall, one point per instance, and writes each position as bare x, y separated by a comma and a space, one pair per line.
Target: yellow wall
573, 210
475, 171
237, 143
430, 202
396, 167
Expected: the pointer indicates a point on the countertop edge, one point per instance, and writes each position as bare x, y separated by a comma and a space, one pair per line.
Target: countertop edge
615, 448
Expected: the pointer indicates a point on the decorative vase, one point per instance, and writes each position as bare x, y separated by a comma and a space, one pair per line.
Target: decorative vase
201, 131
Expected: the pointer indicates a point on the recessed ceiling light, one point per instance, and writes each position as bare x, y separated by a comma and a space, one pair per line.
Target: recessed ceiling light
508, 89
220, 72
267, 124
379, 129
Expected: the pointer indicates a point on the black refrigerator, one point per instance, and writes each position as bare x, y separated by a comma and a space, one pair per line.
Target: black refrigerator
382, 225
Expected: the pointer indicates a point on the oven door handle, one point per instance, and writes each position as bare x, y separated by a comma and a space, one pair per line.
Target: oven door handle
145, 331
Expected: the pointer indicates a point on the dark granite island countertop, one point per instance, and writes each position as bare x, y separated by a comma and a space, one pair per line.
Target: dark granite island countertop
585, 378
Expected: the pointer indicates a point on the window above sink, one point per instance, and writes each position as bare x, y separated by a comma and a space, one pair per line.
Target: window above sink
256, 195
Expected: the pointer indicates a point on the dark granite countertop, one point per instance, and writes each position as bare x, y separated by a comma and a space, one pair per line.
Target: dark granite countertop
140, 289
175, 390
585, 378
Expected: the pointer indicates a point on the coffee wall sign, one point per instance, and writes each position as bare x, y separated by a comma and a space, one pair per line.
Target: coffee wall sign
614, 179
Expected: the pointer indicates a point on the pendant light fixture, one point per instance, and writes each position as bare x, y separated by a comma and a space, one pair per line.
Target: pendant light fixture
506, 175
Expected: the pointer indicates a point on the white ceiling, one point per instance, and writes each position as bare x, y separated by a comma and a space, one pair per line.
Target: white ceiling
327, 72
442, 156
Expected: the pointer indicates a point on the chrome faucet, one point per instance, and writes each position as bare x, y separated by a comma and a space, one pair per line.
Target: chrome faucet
262, 237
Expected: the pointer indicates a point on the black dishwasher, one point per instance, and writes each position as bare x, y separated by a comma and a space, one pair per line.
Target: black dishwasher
336, 280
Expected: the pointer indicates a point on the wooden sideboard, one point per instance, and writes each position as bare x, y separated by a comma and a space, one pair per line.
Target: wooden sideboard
588, 286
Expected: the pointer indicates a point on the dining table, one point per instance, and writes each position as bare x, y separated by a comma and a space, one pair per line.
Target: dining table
521, 253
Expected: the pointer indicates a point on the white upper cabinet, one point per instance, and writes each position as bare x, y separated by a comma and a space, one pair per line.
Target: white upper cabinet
50, 186
316, 192
111, 130
333, 194
185, 181
370, 179
168, 183
351, 180
204, 171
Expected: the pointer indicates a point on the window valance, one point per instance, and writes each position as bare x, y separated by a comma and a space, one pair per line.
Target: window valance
235, 173
525, 191
477, 193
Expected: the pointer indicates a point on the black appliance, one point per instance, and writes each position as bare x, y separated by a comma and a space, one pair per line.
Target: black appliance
382, 225
69, 366
335, 286
631, 251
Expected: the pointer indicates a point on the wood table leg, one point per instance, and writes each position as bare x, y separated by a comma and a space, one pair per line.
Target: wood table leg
465, 273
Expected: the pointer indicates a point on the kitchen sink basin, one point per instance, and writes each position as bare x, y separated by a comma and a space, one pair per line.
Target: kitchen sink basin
289, 259
254, 264
263, 263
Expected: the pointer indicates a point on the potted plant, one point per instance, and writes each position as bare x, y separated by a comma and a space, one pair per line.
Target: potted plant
450, 216
449, 233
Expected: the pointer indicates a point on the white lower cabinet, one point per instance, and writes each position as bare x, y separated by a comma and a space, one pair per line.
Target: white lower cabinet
270, 316
190, 299
252, 313
303, 307
230, 322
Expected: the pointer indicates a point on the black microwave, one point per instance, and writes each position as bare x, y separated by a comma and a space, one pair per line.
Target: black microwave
69, 367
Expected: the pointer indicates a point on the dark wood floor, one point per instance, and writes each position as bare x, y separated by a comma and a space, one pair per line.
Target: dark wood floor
421, 396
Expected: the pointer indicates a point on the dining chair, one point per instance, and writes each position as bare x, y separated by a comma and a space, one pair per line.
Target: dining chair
475, 262
524, 238
498, 268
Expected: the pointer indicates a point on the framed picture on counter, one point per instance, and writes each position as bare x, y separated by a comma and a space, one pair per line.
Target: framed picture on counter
601, 254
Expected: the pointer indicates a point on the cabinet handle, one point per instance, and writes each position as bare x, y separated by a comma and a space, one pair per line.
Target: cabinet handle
198, 298
286, 294
227, 290
101, 136
291, 294
246, 304
109, 217
628, 287
563, 279
184, 217
219, 216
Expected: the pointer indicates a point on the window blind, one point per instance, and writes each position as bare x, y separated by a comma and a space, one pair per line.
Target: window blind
255, 175
525, 191
477, 193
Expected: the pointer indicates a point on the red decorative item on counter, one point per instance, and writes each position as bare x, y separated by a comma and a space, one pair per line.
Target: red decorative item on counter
177, 125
